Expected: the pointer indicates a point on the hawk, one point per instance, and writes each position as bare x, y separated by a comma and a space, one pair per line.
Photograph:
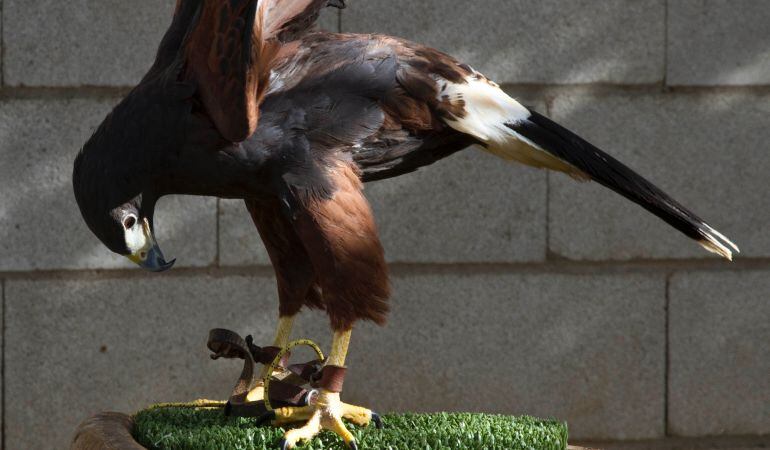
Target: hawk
246, 101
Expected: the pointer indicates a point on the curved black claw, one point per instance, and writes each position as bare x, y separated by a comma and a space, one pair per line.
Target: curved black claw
377, 420
266, 418
284, 444
353, 445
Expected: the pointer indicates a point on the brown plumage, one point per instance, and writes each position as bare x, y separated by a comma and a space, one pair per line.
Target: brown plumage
341, 239
328, 255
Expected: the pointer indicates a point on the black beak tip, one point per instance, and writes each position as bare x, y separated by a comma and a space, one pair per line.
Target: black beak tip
155, 262
167, 265
160, 265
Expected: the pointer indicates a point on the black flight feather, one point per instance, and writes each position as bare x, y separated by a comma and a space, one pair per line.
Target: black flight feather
613, 174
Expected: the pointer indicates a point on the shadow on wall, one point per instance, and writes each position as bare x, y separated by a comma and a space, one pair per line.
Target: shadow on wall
558, 42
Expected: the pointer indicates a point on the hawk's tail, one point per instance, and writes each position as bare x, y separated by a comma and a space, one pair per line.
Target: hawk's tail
513, 132
608, 171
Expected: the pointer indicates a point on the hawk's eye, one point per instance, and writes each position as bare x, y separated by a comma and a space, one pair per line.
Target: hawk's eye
129, 222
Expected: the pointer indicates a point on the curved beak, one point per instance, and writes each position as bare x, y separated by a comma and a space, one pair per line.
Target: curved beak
155, 262
149, 256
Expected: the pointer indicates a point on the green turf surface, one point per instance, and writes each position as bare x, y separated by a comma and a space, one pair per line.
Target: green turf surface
199, 429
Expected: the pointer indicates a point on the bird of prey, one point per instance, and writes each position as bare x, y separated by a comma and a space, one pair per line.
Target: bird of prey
246, 100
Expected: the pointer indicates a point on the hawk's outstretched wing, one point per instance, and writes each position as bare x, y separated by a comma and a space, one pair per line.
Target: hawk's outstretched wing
224, 60
229, 51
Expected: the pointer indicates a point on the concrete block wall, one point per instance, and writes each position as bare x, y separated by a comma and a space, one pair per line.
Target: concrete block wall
516, 291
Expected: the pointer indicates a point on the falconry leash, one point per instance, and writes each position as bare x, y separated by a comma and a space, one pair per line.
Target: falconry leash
292, 386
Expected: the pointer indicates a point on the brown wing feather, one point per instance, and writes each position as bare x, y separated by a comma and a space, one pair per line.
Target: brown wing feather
228, 62
230, 51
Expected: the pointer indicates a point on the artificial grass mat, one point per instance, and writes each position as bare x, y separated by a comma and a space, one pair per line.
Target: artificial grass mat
209, 429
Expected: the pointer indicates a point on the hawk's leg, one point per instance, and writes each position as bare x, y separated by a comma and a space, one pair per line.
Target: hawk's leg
282, 336
326, 411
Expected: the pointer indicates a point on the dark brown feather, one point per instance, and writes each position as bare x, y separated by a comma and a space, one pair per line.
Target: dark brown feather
341, 238
326, 252
225, 59
297, 279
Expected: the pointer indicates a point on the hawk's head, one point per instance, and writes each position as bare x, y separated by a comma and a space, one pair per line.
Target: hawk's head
121, 219
114, 180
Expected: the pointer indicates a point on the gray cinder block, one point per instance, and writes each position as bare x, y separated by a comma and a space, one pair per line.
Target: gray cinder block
2, 363
119, 344
586, 349
472, 207
719, 335
718, 42
239, 241
520, 41
85, 42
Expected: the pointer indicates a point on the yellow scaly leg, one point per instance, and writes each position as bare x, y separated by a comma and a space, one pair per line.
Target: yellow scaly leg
282, 335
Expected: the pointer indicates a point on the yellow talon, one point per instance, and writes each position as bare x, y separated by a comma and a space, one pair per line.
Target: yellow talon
325, 414
335, 425
356, 415
306, 433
